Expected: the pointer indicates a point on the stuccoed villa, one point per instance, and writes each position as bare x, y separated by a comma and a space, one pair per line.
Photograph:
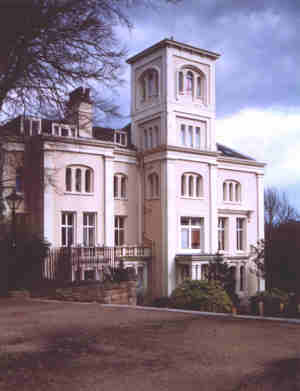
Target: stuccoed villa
161, 187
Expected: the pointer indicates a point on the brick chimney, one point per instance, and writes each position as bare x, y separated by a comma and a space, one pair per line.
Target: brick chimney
79, 111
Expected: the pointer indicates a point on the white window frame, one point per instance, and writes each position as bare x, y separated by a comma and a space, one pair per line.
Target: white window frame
190, 227
182, 83
223, 231
241, 232
88, 228
119, 180
67, 227
188, 135
121, 138
185, 186
232, 191
56, 130
118, 229
83, 184
153, 185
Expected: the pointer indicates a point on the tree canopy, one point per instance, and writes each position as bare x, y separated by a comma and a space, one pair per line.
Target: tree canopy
48, 47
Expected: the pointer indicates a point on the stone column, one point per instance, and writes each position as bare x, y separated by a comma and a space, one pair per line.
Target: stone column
108, 201
213, 223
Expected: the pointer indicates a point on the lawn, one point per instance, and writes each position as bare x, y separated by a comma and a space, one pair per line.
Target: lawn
59, 346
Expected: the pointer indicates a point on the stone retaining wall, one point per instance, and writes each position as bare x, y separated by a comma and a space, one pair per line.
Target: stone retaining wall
123, 293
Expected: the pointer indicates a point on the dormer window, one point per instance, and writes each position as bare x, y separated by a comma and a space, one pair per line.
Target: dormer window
32, 126
64, 130
120, 138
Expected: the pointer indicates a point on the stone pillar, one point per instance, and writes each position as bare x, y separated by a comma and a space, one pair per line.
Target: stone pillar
213, 223
108, 202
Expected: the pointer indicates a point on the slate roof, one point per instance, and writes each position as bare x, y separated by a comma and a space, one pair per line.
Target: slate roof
229, 152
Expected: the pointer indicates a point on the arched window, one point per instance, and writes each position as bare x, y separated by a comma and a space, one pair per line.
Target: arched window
120, 186
189, 83
88, 184
153, 185
199, 89
232, 191
191, 185
68, 179
183, 185
180, 82
78, 180
149, 84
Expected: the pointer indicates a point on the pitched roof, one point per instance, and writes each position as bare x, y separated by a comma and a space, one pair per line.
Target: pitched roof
229, 152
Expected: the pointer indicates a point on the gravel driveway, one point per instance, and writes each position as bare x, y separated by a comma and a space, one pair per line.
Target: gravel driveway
60, 346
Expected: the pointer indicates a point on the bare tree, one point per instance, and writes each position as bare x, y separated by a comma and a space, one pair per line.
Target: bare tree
278, 212
48, 47
278, 208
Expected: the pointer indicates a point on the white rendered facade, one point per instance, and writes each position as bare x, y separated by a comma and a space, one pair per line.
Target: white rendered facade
164, 179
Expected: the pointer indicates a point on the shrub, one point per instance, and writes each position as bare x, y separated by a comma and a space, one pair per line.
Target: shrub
202, 296
271, 300
162, 302
21, 266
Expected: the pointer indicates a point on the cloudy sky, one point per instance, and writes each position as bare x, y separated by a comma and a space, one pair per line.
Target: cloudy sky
258, 74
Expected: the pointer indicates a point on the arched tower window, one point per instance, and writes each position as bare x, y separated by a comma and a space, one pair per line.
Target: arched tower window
149, 84
189, 83
191, 185
192, 82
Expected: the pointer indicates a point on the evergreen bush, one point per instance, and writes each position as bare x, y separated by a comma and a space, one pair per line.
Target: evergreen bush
201, 296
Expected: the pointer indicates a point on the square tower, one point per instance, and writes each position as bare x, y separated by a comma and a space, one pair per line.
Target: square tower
173, 97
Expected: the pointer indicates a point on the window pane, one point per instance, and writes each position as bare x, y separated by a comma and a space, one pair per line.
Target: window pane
183, 184
121, 237
116, 238
115, 186
85, 239
70, 218
196, 221
70, 236
63, 236
78, 179
191, 186
145, 139
123, 187
64, 132
180, 81
88, 181
91, 236
195, 238
190, 136
116, 221
198, 87
184, 238
68, 179
184, 221
121, 222
182, 132
197, 138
